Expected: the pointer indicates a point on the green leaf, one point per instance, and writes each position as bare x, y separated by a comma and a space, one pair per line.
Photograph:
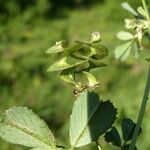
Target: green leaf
90, 119
91, 79
58, 47
95, 63
127, 147
82, 67
142, 12
128, 127
127, 7
123, 51
100, 51
67, 76
113, 137
21, 126
63, 64
125, 35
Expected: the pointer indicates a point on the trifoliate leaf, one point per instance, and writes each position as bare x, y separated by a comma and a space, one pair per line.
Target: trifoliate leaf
63, 64
122, 35
141, 11
113, 137
127, 7
90, 119
91, 79
58, 47
123, 51
128, 127
19, 125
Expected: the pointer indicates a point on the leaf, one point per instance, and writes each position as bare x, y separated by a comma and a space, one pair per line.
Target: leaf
127, 7
19, 125
62, 64
142, 12
125, 35
74, 48
58, 47
100, 51
67, 76
127, 147
96, 63
128, 127
91, 79
82, 67
113, 137
123, 51
90, 119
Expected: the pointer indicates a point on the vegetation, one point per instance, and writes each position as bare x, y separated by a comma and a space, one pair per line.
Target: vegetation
24, 80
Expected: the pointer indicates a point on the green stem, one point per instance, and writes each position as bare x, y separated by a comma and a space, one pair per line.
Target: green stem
142, 112
145, 8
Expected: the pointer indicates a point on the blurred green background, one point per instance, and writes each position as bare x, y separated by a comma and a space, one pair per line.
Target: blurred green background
29, 27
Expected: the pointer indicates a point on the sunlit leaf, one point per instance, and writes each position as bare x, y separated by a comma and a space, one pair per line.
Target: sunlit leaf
63, 64
125, 35
91, 79
113, 137
142, 12
58, 47
127, 7
19, 125
90, 119
123, 51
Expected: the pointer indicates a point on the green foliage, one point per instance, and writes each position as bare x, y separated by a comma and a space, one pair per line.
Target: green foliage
113, 136
140, 26
19, 125
90, 119
79, 59
24, 81
123, 51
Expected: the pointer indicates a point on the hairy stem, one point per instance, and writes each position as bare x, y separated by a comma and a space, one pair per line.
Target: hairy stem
142, 111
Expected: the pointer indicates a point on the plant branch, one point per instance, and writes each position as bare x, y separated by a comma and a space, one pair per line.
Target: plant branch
142, 111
